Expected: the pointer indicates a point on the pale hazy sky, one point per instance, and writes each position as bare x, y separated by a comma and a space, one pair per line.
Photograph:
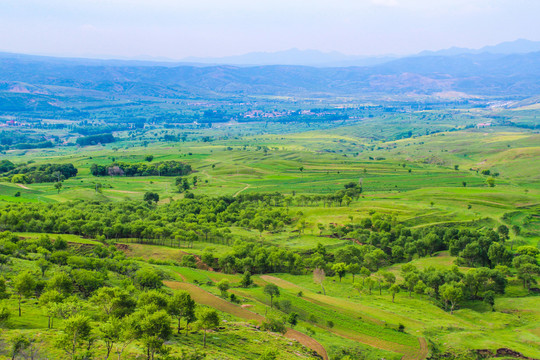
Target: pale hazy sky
178, 28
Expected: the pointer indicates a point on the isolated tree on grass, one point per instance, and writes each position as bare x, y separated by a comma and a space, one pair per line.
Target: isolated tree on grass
24, 285
181, 306
318, 277
223, 286
340, 269
271, 290
208, 319
58, 186
394, 289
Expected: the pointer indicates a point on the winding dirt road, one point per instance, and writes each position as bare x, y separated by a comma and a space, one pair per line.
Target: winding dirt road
204, 297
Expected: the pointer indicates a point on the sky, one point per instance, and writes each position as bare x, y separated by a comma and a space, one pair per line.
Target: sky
175, 29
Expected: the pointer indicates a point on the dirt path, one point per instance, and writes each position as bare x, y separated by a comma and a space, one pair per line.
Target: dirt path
239, 191
408, 352
424, 350
204, 297
23, 186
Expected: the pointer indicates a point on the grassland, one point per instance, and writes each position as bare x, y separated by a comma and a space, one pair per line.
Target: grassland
422, 181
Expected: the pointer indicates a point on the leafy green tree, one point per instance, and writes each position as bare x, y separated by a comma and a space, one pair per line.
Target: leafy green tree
148, 279
340, 269
43, 265
18, 344
208, 319
246, 280
110, 332
272, 291
394, 289
451, 293
77, 330
49, 301
58, 186
353, 269
420, 287
223, 286
24, 285
60, 282
489, 298
369, 283
292, 319
113, 302
151, 328
151, 197
527, 273
364, 273
181, 305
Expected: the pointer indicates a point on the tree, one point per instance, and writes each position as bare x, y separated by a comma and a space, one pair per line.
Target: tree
151, 197
43, 265
340, 269
394, 289
49, 300
271, 290
526, 273
77, 329
18, 344
292, 319
369, 283
152, 328
364, 273
148, 279
208, 319
451, 293
149, 158
353, 269
24, 285
110, 332
223, 286
420, 287
318, 277
489, 298
114, 302
246, 280
490, 181
181, 305
58, 186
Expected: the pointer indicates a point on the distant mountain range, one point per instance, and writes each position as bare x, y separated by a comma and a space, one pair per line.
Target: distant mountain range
470, 73
336, 59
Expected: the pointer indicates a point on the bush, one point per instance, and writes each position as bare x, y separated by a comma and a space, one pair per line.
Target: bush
274, 325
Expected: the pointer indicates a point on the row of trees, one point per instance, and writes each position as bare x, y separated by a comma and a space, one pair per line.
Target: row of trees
29, 174
165, 168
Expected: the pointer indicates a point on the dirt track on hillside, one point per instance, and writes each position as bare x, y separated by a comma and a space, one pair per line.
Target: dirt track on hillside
202, 296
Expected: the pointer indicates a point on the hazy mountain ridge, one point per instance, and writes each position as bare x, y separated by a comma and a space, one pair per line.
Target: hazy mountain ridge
477, 74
